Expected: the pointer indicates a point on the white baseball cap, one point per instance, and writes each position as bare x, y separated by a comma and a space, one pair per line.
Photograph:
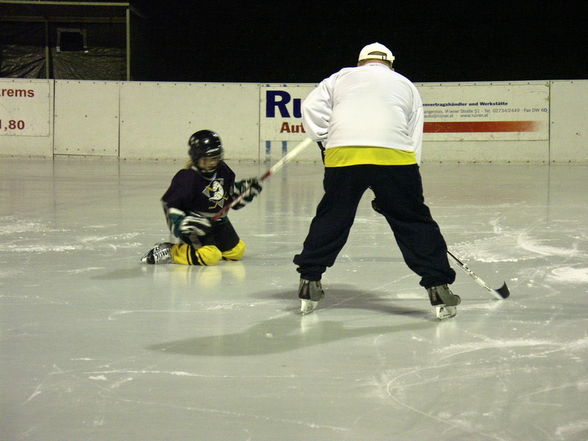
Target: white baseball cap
376, 51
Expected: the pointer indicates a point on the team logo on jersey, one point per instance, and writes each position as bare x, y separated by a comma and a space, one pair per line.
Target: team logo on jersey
215, 193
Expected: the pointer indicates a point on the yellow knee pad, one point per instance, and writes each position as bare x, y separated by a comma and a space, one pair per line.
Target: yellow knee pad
206, 255
235, 253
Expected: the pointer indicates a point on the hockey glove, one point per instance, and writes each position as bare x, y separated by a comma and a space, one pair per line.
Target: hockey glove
195, 223
174, 219
250, 188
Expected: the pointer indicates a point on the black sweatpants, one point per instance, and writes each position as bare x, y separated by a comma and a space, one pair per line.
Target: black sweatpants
399, 197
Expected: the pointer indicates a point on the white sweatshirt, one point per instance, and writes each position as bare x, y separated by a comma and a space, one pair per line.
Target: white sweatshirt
369, 105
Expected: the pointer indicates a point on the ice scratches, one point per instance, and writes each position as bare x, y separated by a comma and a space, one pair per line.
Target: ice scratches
115, 237
398, 391
529, 244
113, 241
129, 375
549, 391
466, 348
20, 247
568, 274
233, 414
115, 385
104, 373
39, 388
49, 248
411, 296
489, 344
32, 237
496, 228
36, 300
37, 391
120, 382
547, 276
212, 307
577, 345
84, 270
11, 225
4, 273
115, 315
572, 429
97, 378
230, 306
488, 306
394, 386
511, 246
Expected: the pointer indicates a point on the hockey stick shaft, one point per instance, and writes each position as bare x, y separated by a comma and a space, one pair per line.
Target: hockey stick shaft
286, 158
277, 166
500, 293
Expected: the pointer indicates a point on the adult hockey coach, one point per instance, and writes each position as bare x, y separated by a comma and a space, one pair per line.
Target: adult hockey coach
369, 119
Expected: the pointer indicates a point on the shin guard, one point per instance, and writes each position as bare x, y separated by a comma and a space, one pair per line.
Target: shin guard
235, 253
186, 255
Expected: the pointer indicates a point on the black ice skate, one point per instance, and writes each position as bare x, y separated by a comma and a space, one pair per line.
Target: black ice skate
160, 253
444, 301
309, 293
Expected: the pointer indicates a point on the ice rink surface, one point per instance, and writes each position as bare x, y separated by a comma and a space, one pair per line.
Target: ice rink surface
98, 347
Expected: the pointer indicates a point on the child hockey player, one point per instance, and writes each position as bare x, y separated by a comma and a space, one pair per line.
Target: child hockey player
195, 195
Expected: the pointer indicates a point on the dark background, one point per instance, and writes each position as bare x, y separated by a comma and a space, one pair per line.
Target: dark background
304, 42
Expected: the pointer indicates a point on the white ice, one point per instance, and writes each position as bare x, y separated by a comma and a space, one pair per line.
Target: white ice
96, 346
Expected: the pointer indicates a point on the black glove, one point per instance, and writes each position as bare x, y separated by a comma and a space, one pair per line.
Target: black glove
250, 188
195, 223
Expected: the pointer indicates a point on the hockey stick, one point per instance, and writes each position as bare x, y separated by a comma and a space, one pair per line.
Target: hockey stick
277, 166
500, 293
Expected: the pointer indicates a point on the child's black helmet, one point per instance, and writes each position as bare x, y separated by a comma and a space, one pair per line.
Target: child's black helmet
204, 143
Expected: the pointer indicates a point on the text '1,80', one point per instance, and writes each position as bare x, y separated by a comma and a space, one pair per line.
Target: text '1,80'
12, 124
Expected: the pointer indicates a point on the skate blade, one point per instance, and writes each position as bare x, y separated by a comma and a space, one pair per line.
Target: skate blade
445, 312
145, 258
307, 306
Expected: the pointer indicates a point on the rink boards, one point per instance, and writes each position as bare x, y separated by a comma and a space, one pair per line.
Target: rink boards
524, 121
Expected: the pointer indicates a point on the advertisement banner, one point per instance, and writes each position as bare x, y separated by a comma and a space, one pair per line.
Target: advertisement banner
25, 108
461, 112
486, 112
281, 118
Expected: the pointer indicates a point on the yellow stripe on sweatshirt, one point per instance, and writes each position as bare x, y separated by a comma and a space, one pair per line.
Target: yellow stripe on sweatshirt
362, 155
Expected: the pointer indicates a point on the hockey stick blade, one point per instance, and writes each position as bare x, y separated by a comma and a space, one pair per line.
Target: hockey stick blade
503, 291
500, 293
278, 165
